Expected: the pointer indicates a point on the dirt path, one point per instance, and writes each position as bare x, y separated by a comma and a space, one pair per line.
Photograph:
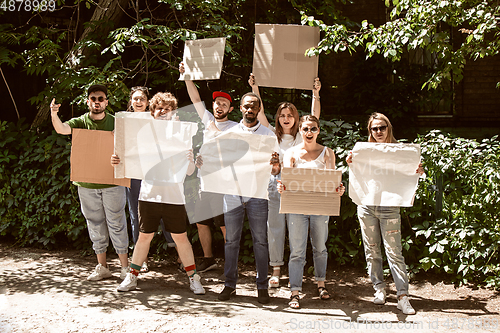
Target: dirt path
43, 291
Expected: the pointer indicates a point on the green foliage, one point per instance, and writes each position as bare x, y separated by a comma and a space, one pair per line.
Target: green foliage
38, 204
415, 24
462, 237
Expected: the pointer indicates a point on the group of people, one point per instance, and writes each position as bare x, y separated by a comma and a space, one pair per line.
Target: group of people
153, 204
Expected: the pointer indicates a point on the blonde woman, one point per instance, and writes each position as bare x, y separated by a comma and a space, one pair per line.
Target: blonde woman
383, 224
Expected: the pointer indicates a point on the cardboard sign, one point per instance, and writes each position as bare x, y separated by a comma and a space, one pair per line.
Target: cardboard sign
90, 159
279, 56
310, 191
152, 149
203, 59
237, 163
384, 174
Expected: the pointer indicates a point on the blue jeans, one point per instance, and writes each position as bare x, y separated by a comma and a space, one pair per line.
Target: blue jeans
276, 224
234, 215
104, 210
133, 211
377, 224
298, 227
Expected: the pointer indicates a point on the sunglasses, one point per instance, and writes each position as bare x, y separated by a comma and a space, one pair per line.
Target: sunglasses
100, 99
312, 129
378, 128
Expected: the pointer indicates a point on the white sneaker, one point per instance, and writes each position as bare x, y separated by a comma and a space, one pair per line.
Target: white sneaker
379, 296
405, 306
100, 272
123, 272
195, 285
130, 283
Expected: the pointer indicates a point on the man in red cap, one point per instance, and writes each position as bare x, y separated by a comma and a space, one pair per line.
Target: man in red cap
209, 207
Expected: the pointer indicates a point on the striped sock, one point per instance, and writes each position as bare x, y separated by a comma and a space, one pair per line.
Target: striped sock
135, 269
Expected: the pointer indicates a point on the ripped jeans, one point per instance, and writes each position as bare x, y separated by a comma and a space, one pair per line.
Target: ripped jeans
383, 223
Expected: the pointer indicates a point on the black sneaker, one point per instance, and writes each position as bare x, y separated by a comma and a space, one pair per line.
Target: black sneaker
226, 293
263, 296
206, 264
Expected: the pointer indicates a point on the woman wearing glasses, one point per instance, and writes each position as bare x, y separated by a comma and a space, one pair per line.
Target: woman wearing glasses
312, 155
384, 223
287, 132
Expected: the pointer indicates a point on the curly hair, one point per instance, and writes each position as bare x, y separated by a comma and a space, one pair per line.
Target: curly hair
162, 98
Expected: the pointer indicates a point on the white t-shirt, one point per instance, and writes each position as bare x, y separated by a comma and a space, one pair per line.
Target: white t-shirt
221, 125
287, 142
257, 129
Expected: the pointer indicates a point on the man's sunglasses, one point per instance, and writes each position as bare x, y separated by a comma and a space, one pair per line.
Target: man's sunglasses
378, 128
312, 129
100, 99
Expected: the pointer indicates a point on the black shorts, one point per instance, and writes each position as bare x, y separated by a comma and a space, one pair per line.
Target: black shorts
209, 209
150, 213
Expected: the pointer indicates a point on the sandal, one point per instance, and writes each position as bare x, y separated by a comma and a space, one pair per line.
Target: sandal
323, 293
274, 281
294, 302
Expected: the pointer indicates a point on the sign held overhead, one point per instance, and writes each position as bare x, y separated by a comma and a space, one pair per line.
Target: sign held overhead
279, 58
203, 59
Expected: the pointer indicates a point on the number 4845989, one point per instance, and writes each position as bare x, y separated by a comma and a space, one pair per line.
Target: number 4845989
28, 5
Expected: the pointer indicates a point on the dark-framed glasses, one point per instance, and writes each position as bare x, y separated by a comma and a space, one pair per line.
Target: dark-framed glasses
378, 129
100, 99
313, 129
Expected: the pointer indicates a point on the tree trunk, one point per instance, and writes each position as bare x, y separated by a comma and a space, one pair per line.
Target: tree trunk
106, 9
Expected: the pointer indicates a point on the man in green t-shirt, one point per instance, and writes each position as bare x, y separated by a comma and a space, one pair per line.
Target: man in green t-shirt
103, 206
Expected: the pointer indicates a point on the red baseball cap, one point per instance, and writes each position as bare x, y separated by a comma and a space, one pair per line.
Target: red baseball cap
222, 93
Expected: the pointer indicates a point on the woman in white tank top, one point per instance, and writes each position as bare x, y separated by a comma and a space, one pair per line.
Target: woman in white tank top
286, 128
308, 154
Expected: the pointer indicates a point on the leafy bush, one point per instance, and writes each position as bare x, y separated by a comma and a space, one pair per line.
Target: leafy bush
462, 237
38, 204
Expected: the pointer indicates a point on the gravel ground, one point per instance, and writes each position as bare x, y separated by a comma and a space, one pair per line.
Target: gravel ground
42, 291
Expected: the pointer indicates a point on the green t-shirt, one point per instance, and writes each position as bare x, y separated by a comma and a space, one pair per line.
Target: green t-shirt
85, 122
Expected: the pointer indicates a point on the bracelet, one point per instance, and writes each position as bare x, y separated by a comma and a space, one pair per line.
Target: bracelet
316, 97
